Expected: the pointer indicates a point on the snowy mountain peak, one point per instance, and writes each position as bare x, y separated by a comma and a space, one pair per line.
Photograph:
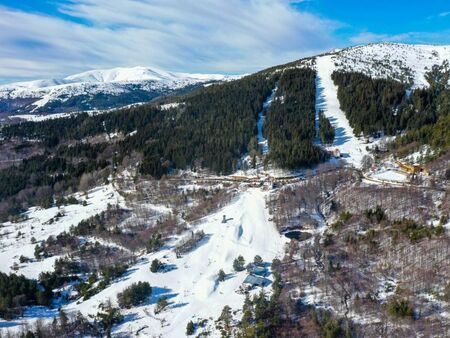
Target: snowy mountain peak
119, 74
138, 73
118, 86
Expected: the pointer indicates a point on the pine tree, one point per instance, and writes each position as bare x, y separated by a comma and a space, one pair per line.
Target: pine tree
108, 316
190, 328
221, 276
258, 260
226, 317
161, 304
155, 266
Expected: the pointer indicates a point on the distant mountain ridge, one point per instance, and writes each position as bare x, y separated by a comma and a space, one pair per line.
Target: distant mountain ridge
98, 89
117, 87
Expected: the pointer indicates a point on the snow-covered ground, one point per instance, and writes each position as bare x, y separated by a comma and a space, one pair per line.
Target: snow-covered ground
92, 112
42, 223
391, 175
351, 148
191, 281
401, 62
39, 117
192, 285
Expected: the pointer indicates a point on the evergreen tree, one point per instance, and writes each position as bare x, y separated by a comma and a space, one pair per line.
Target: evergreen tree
239, 263
190, 328
108, 316
221, 276
155, 266
161, 304
134, 295
258, 260
326, 129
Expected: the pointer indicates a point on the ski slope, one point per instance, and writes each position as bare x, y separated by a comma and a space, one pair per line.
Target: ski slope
351, 148
190, 282
262, 141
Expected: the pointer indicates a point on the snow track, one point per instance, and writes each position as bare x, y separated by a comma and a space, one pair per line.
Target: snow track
351, 148
263, 143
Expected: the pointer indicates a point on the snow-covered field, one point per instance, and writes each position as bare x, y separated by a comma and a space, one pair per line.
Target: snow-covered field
391, 175
351, 148
191, 285
42, 223
190, 282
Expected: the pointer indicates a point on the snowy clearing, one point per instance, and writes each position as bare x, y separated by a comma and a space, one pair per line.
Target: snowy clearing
391, 175
42, 223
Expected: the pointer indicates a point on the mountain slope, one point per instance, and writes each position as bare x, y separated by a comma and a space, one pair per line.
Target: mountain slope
97, 89
401, 62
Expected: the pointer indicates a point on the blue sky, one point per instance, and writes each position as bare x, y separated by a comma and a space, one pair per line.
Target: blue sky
54, 38
386, 17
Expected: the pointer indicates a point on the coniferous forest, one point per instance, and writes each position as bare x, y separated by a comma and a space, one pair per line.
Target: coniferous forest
213, 127
370, 104
326, 130
290, 121
384, 105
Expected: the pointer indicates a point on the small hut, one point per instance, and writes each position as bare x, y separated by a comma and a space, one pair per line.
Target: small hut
254, 280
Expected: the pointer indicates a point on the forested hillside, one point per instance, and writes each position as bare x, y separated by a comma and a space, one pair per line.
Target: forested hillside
210, 128
290, 121
212, 125
379, 105
273, 198
370, 104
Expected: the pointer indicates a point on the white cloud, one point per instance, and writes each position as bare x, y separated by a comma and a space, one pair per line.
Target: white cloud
230, 36
368, 37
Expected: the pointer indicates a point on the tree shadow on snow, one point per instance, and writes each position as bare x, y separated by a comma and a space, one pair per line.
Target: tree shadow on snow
168, 268
340, 135
4, 325
178, 305
201, 242
158, 292
126, 275
130, 317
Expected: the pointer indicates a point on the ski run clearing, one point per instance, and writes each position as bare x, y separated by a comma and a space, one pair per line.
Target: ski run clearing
190, 282
350, 147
